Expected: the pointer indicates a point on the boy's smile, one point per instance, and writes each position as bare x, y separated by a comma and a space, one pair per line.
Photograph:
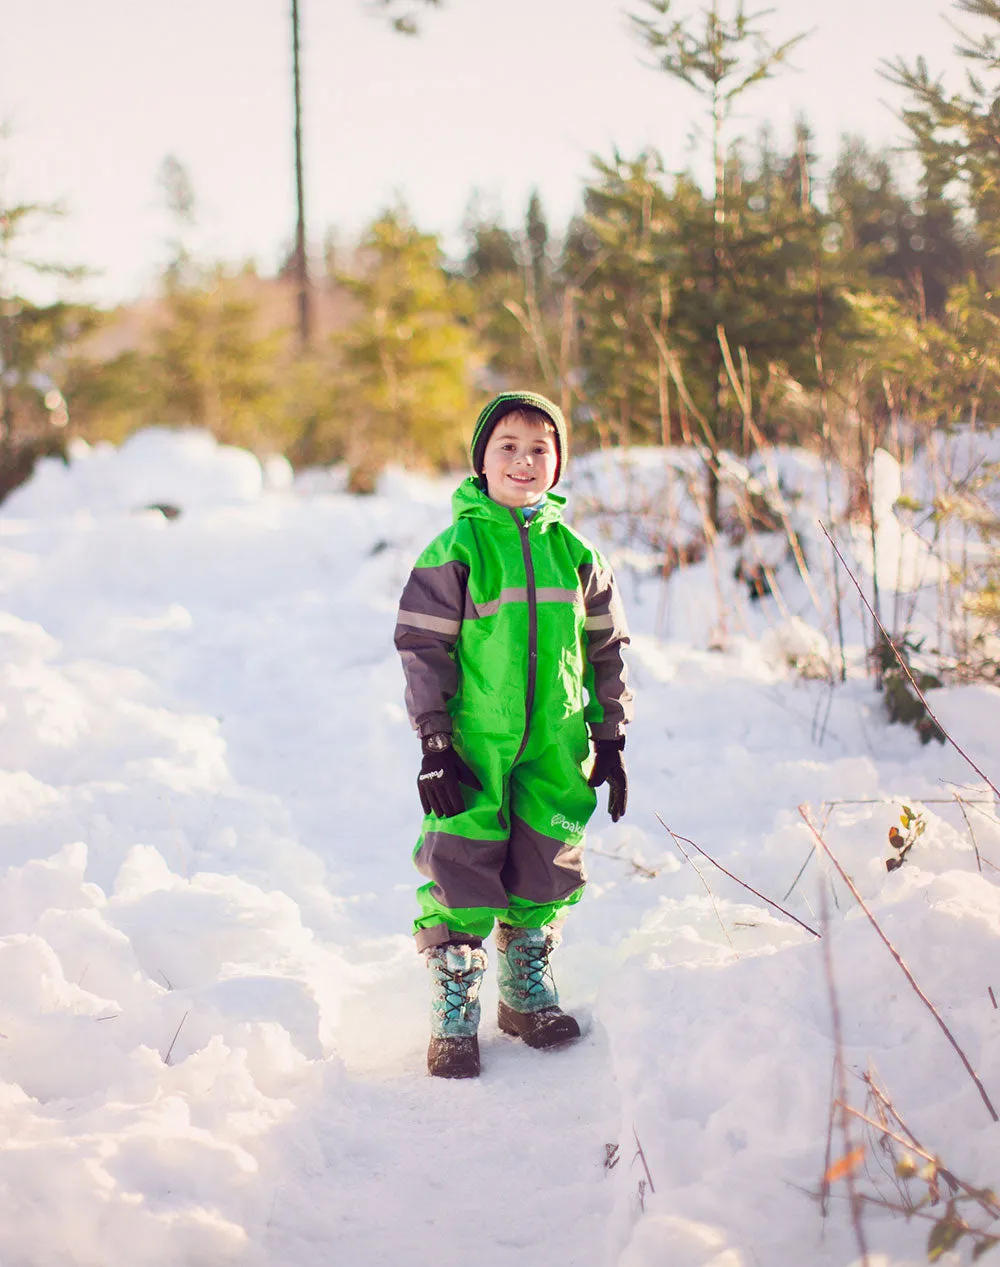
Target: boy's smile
520, 462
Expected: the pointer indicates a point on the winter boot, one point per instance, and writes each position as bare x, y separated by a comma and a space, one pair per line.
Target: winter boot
529, 1005
456, 975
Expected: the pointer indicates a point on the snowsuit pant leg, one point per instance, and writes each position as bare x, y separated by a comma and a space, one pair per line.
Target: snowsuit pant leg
516, 853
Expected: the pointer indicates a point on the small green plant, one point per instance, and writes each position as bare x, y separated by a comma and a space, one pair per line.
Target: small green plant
902, 703
914, 826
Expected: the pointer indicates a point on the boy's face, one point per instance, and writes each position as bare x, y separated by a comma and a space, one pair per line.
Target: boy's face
520, 461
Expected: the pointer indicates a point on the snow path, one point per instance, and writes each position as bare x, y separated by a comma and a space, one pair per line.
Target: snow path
206, 811
312, 764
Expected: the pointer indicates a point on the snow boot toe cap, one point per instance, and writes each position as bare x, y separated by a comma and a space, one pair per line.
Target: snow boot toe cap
453, 1057
548, 1027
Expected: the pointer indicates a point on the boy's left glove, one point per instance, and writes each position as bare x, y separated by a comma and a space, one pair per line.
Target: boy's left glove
441, 771
609, 768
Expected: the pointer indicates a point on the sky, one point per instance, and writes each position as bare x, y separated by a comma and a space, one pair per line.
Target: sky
498, 98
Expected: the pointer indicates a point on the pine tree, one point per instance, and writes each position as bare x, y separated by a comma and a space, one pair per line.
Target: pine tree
721, 62
955, 133
212, 366
956, 136
35, 340
538, 263
621, 254
516, 301
206, 357
402, 387
654, 289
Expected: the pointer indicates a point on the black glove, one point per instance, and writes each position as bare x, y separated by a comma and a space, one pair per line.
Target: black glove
441, 771
609, 768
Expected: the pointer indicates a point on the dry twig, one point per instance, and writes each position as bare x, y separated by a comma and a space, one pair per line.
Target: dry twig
742, 395
804, 811
972, 834
708, 887
647, 873
906, 669
166, 1058
742, 883
642, 1157
840, 1081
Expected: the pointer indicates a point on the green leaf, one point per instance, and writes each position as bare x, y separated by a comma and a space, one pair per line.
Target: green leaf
944, 1236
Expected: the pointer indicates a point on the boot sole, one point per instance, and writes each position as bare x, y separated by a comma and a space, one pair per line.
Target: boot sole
521, 1025
454, 1074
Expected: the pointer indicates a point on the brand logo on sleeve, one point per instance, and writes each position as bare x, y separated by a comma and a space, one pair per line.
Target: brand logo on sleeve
567, 824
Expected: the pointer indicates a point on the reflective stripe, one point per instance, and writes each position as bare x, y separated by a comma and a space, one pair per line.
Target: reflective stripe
607, 621
478, 611
549, 594
516, 595
436, 624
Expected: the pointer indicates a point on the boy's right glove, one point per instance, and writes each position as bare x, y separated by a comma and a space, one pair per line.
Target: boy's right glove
441, 771
609, 768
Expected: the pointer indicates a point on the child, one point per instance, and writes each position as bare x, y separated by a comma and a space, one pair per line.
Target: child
511, 632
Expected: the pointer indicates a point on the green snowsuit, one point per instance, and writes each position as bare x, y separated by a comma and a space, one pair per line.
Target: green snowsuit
510, 634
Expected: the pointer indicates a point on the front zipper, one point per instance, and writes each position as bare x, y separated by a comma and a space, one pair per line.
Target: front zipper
529, 576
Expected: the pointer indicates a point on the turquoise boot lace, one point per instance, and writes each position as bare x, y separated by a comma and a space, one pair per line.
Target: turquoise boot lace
456, 975
524, 974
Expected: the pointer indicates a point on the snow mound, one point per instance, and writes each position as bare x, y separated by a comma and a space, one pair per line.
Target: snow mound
158, 466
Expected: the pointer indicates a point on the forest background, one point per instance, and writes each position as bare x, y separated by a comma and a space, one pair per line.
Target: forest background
760, 310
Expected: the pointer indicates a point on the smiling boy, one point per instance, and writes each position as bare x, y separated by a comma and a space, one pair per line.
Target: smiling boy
520, 459
510, 632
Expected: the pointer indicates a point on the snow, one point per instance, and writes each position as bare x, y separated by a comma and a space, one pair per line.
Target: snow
212, 1020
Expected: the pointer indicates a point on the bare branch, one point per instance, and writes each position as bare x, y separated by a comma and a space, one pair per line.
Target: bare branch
840, 1081
905, 667
742, 883
708, 887
166, 1058
804, 811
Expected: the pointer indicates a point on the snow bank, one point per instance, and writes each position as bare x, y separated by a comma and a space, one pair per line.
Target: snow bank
185, 469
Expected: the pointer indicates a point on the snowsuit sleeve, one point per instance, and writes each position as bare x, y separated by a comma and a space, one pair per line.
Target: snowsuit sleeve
427, 628
609, 699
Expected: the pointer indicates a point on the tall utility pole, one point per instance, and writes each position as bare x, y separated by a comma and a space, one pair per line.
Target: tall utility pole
301, 263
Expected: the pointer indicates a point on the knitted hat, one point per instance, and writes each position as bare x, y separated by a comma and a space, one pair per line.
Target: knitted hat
510, 402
